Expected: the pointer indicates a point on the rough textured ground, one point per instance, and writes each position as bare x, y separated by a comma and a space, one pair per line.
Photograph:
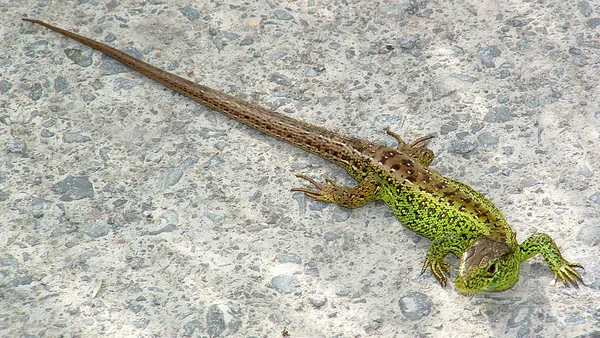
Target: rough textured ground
129, 211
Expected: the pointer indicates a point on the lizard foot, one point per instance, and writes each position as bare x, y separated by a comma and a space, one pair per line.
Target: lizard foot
416, 149
325, 191
439, 270
567, 274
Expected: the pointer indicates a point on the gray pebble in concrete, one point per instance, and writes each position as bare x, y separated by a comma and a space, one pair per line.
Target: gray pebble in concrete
74, 188
284, 283
317, 299
488, 54
415, 305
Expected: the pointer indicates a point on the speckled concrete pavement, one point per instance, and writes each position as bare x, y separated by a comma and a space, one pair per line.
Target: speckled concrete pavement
129, 211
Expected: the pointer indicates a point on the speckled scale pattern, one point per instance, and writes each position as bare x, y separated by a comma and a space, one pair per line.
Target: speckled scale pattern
431, 203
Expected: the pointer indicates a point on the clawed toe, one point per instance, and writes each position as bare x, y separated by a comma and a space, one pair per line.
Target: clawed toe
568, 275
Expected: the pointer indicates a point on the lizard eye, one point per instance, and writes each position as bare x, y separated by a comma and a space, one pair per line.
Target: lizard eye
493, 269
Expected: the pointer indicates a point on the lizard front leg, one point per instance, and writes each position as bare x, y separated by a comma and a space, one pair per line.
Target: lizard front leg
543, 244
366, 191
440, 247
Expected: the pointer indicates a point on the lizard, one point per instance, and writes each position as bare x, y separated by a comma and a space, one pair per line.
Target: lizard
456, 218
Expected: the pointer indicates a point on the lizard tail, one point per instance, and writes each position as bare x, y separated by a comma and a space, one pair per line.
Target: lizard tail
318, 140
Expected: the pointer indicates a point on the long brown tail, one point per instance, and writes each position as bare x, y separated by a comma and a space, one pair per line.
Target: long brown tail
315, 139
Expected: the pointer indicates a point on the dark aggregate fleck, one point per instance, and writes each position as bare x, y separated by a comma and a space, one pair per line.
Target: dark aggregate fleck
223, 320
135, 307
81, 57
508, 150
122, 83
515, 165
519, 22
341, 214
73, 310
395, 11
4, 196
141, 323
172, 175
520, 318
331, 236
589, 234
74, 188
584, 8
192, 327
463, 77
502, 98
5, 86
288, 258
464, 146
60, 84
529, 181
9, 260
222, 38
415, 305
281, 14
76, 138
190, 13
45, 133
449, 127
4, 321
409, 41
21, 280
95, 229
525, 45
16, 146
498, 114
280, 79
595, 197
247, 41
342, 291
35, 92
313, 271
476, 127
110, 37
284, 283
89, 97
488, 54
441, 90
167, 228
215, 321
487, 139
317, 299
96, 302
585, 171
389, 118
593, 23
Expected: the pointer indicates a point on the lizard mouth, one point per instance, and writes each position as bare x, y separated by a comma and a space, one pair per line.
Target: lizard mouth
462, 286
464, 283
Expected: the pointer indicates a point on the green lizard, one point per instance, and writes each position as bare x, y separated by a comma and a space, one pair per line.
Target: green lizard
456, 218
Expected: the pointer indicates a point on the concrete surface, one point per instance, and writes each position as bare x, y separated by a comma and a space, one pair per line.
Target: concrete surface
129, 211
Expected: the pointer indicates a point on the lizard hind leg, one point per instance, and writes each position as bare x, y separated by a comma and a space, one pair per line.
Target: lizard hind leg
366, 191
416, 149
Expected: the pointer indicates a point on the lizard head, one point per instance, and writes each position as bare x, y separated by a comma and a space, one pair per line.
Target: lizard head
487, 265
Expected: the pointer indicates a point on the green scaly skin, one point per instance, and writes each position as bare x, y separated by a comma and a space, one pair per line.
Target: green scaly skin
456, 218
